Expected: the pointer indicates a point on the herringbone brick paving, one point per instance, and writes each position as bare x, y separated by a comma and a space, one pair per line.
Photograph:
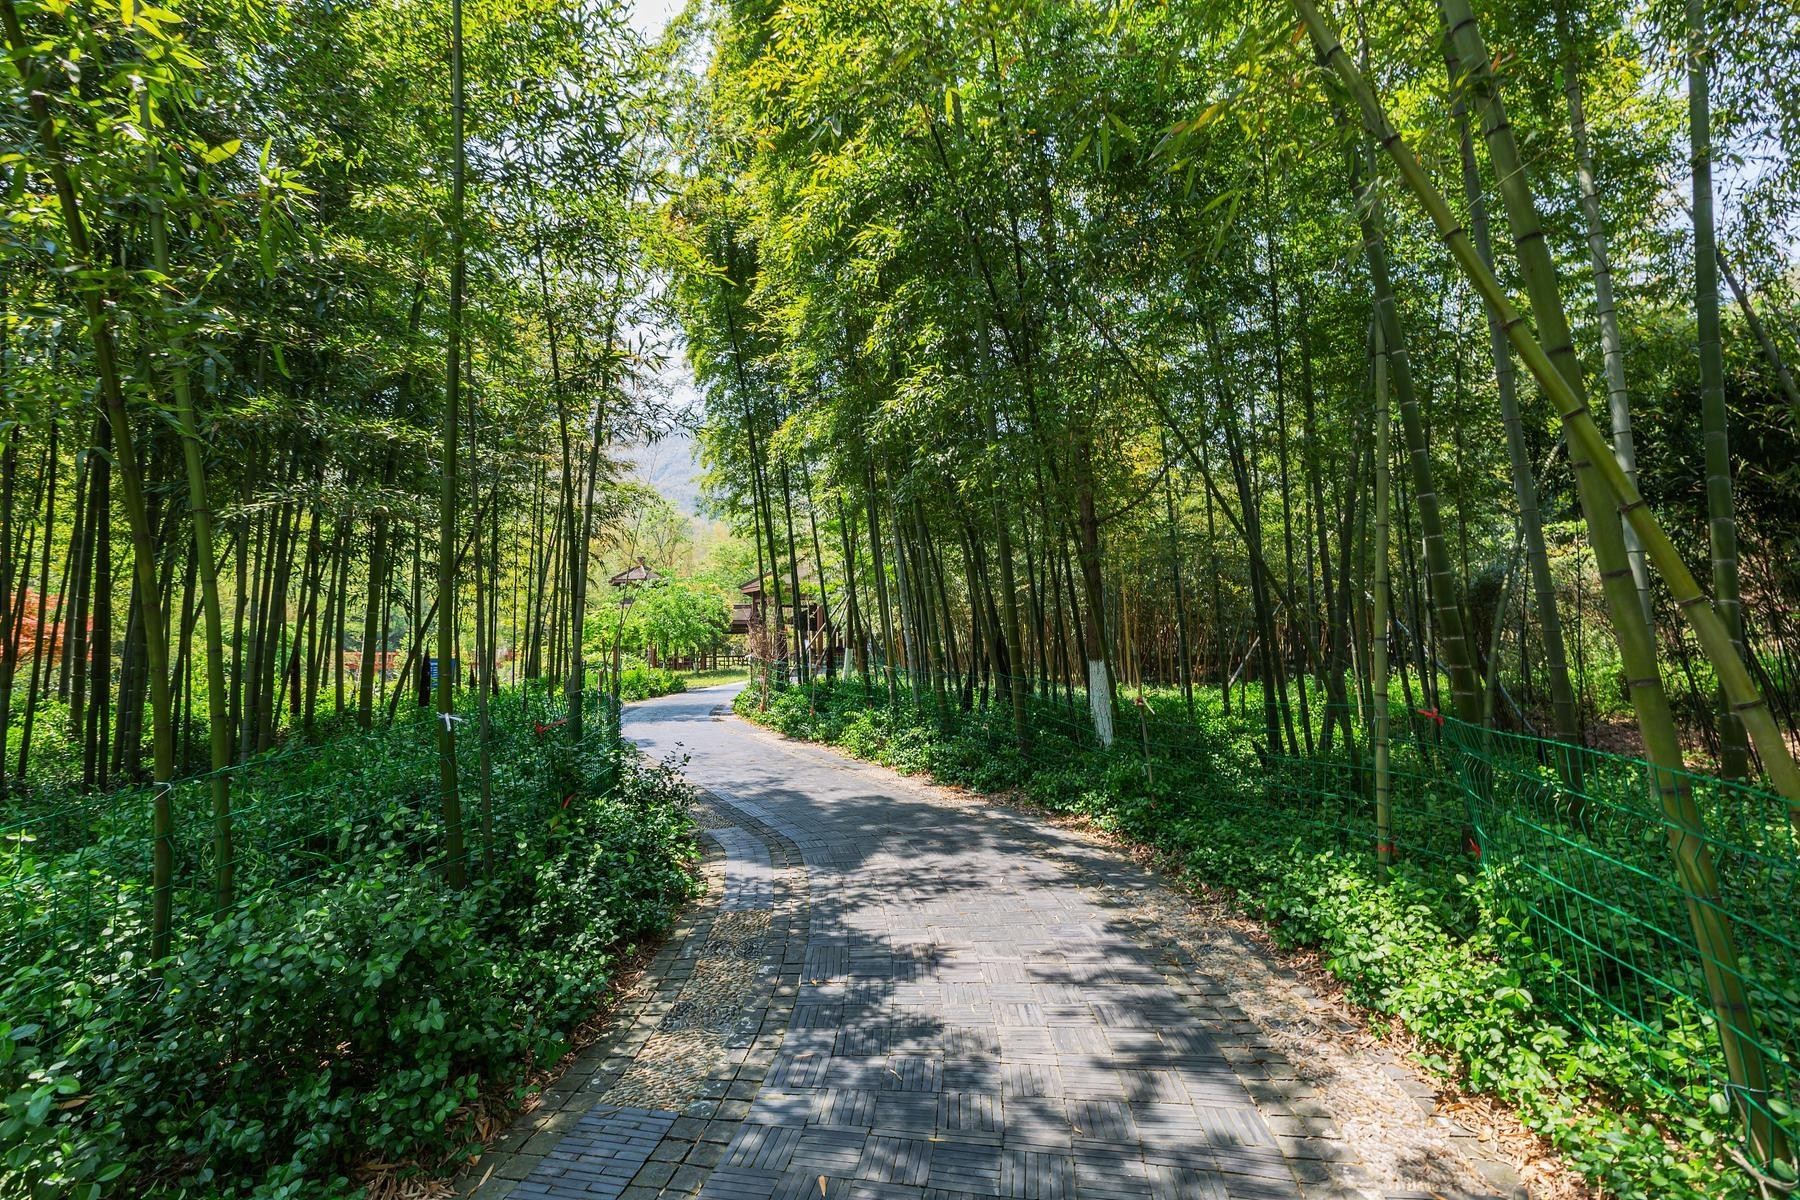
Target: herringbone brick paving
946, 1001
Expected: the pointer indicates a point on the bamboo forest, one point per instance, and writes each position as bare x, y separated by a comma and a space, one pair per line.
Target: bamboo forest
912, 599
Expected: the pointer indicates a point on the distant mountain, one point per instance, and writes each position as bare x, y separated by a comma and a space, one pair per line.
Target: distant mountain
671, 467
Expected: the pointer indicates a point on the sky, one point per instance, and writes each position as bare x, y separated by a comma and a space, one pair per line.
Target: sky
650, 16
668, 465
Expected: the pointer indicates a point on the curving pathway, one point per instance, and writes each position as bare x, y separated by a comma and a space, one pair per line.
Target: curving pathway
897, 993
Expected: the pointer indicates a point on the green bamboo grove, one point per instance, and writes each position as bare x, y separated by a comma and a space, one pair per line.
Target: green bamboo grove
265, 465
1346, 370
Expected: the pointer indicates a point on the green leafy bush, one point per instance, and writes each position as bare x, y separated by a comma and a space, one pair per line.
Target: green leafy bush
640, 682
1442, 952
354, 1013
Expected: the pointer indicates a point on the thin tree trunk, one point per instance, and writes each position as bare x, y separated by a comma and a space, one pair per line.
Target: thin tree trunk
100, 641
1618, 399
131, 482
1721, 523
1543, 586
802, 666
1465, 690
1099, 681
10, 613
1184, 661
483, 587
881, 583
1378, 641
819, 574
455, 867
49, 626
579, 562
859, 641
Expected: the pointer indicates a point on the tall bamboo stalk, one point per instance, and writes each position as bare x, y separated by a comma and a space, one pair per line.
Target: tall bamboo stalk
1721, 517
1612, 345
1378, 634
1099, 680
1444, 594
484, 598
200, 517
125, 455
1563, 708
47, 629
1686, 839
881, 579
1184, 653
455, 868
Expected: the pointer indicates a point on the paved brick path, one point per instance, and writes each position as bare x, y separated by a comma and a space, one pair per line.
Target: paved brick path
895, 995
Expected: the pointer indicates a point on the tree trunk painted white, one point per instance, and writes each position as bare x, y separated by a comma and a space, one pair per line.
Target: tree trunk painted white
1100, 701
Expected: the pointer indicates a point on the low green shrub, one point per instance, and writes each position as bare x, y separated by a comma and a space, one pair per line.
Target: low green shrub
640, 682
1441, 952
352, 1015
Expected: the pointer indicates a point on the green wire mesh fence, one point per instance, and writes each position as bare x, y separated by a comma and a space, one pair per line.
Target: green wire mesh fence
1659, 906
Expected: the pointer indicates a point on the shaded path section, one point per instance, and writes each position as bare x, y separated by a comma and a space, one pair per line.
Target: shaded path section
937, 998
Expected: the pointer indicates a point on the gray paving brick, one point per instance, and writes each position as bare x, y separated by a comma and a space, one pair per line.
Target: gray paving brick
1037, 1175
1019, 1080
965, 1166
763, 1147
970, 1112
739, 1183
830, 1150
913, 1073
846, 1106
1187, 1183
895, 1160
1103, 1120
906, 1112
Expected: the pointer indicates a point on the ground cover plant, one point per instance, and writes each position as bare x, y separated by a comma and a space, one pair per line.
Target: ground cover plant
350, 1007
1443, 942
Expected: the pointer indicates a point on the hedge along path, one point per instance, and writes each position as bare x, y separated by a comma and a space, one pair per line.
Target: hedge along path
1687, 837
651, 1106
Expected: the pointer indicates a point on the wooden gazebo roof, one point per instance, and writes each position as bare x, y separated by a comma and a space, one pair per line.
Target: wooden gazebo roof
634, 574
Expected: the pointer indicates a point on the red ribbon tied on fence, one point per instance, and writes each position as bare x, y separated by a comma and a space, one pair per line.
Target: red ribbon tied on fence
1431, 714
